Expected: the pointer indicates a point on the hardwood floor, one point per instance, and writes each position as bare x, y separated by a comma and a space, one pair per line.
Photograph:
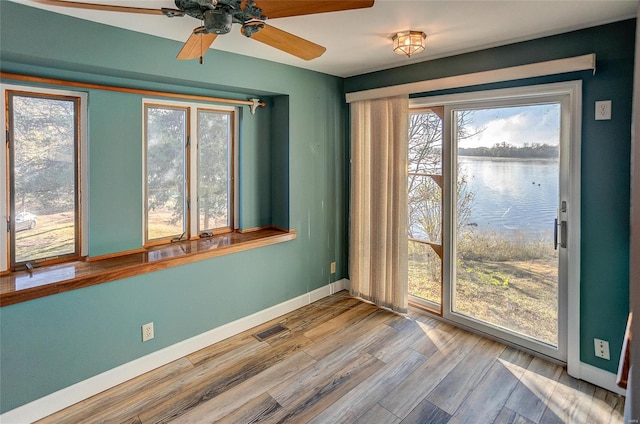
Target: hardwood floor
346, 361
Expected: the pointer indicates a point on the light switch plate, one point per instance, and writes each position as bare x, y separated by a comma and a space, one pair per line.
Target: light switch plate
603, 110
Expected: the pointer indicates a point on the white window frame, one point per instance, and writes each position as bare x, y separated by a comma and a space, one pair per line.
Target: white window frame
192, 187
83, 159
572, 91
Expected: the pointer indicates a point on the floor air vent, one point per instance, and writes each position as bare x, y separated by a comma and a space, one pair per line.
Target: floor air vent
272, 331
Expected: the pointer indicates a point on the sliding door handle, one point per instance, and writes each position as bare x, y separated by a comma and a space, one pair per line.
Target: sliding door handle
563, 234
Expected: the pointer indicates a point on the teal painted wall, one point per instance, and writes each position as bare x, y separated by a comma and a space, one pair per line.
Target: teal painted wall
279, 162
115, 156
255, 167
292, 173
604, 274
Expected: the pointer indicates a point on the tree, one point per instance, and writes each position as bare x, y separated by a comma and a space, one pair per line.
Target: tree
535, 150
44, 154
166, 160
425, 171
213, 169
166, 164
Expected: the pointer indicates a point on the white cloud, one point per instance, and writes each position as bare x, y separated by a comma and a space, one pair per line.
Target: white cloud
537, 124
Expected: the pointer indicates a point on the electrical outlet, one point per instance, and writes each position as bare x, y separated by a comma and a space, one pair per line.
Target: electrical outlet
603, 110
602, 349
333, 267
147, 332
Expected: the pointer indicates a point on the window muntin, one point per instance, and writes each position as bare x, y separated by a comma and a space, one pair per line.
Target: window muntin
43, 176
189, 169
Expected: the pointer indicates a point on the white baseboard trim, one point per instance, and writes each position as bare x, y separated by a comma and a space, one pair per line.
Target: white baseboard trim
71, 395
601, 378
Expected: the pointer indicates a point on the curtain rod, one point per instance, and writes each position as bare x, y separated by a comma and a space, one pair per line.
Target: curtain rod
252, 103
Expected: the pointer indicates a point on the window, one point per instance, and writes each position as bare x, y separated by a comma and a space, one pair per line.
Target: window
43, 158
188, 174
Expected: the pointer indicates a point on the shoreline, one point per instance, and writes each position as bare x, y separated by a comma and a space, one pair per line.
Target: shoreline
508, 159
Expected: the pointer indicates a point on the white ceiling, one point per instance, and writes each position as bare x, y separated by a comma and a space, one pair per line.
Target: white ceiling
359, 41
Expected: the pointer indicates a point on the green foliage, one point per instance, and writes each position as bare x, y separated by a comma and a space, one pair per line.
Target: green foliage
482, 275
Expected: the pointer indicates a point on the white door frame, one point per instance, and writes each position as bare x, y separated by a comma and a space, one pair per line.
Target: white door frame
571, 123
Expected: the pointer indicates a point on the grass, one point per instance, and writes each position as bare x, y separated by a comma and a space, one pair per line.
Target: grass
424, 272
511, 283
53, 236
162, 224
521, 296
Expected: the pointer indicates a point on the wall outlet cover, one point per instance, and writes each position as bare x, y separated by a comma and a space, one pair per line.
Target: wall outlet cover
147, 332
603, 110
601, 349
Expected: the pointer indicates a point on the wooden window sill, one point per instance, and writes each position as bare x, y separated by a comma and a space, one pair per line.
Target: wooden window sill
21, 286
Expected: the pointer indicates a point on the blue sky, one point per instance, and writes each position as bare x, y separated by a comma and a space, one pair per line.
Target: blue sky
537, 124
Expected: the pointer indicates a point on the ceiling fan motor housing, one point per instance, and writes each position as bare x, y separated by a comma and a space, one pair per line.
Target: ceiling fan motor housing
217, 21
218, 16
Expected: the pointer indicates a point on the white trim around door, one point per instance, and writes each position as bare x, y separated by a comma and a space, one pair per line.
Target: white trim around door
570, 96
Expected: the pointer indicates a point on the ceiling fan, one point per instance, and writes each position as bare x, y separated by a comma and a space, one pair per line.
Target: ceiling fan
218, 16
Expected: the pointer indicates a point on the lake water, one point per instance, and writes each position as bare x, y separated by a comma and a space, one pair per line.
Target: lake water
512, 196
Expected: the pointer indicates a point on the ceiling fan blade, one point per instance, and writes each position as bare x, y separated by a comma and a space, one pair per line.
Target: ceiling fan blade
289, 43
108, 8
196, 46
283, 8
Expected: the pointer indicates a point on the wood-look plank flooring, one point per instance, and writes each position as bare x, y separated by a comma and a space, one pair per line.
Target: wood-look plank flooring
345, 361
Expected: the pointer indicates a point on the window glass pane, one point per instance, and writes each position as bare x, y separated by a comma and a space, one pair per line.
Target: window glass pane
166, 164
44, 174
425, 209
425, 272
425, 143
425, 204
507, 200
214, 159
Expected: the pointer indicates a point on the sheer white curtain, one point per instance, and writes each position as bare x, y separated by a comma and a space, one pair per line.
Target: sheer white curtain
378, 212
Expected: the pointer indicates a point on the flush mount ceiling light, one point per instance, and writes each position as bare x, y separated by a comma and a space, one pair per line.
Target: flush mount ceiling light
409, 42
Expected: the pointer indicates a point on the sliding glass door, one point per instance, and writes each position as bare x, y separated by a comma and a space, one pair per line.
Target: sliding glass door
489, 207
506, 264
